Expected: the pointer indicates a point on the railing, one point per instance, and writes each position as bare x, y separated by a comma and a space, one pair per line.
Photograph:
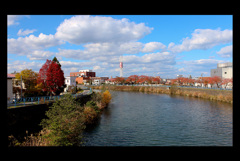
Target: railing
41, 99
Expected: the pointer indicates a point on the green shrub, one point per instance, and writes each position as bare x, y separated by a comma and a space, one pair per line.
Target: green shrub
65, 122
92, 104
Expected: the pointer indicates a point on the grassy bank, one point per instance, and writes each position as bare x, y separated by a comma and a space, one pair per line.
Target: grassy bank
211, 94
66, 121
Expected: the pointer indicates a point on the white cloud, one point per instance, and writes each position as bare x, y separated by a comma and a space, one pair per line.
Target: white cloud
203, 62
97, 67
94, 29
26, 45
21, 65
25, 32
40, 55
182, 70
130, 48
102, 51
163, 57
12, 20
133, 64
225, 52
196, 67
202, 39
152, 46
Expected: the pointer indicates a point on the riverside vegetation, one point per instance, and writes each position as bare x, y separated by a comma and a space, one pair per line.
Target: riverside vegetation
66, 121
211, 94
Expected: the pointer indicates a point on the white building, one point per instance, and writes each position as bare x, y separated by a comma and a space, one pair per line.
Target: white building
70, 81
224, 70
99, 80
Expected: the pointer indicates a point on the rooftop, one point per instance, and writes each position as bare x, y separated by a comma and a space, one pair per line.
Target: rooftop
11, 75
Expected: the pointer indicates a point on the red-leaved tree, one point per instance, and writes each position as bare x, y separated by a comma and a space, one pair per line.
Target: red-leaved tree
217, 80
132, 79
226, 82
156, 80
119, 80
144, 79
51, 77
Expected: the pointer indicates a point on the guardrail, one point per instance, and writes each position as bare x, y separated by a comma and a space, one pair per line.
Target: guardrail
41, 99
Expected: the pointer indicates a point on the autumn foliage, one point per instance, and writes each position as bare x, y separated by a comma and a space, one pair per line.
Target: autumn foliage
106, 98
51, 77
142, 79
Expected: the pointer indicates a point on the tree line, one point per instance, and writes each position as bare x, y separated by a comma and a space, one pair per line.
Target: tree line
187, 81
48, 81
203, 81
135, 79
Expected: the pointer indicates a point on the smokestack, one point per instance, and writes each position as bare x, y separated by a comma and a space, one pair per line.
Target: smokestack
121, 66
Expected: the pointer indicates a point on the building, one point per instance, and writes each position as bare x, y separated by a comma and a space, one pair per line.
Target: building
224, 70
98, 80
70, 81
165, 81
83, 73
10, 86
110, 81
17, 86
83, 80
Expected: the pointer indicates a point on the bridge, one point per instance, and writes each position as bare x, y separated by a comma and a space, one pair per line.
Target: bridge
26, 101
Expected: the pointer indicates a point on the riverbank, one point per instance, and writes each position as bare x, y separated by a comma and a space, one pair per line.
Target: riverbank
211, 94
65, 121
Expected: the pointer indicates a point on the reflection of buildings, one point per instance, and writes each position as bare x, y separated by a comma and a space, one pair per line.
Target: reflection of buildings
224, 70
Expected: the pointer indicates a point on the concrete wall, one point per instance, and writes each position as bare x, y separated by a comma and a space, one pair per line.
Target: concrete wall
25, 118
226, 72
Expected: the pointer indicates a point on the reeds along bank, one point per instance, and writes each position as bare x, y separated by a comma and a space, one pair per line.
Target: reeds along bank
217, 95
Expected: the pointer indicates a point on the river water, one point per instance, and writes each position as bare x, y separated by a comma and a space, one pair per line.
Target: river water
140, 119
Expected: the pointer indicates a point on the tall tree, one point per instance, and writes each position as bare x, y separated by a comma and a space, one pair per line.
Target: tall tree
52, 77
29, 78
56, 60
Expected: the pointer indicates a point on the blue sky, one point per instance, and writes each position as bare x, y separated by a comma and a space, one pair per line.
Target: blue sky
153, 45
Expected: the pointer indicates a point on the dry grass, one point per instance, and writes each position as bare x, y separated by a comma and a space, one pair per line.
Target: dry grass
211, 94
32, 140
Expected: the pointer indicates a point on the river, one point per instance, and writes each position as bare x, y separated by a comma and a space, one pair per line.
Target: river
140, 119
